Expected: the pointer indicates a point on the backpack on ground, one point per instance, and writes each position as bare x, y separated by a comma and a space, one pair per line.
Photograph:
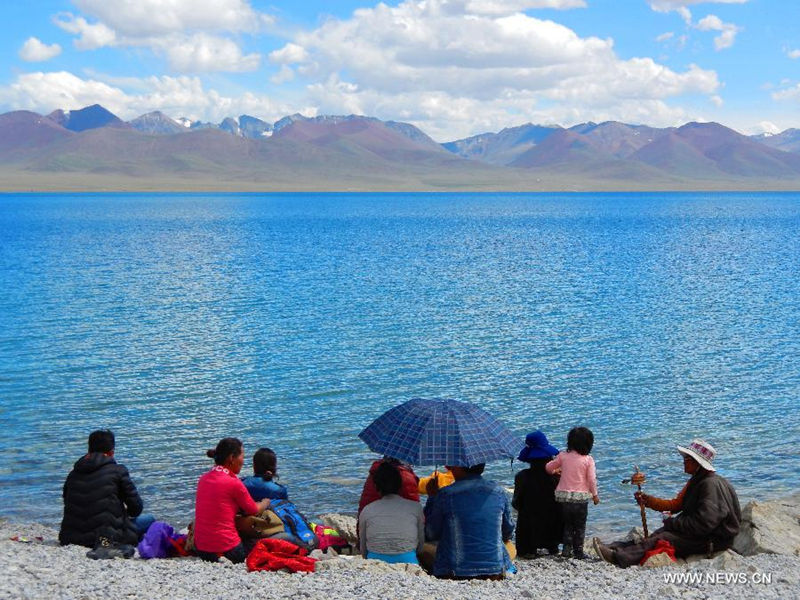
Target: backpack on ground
295, 523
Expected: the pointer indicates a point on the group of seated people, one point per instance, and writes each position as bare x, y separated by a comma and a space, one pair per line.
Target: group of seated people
464, 530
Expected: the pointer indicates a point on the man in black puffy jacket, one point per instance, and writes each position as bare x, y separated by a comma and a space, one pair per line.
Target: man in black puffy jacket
100, 499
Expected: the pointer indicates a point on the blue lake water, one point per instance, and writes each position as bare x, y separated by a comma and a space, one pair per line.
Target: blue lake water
292, 320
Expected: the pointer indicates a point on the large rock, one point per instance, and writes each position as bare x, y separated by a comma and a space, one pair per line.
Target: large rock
344, 524
636, 534
770, 527
726, 560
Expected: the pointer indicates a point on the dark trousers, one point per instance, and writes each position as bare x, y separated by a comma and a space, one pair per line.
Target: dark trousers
237, 554
574, 515
631, 553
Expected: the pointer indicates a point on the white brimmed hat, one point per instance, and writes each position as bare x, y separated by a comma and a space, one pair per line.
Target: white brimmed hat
702, 452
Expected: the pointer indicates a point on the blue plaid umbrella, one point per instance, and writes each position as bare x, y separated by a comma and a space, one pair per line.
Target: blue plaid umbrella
440, 432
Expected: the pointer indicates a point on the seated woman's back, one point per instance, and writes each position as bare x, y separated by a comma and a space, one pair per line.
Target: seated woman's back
392, 528
220, 497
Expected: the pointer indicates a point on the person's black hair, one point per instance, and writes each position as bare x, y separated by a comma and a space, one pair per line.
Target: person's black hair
476, 469
387, 478
101, 440
265, 464
580, 439
226, 448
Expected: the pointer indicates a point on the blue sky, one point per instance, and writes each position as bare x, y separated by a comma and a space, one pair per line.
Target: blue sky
452, 67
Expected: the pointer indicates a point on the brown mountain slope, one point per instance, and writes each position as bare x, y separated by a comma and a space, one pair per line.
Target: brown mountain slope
503, 147
203, 151
566, 152
710, 149
561, 147
361, 153
362, 137
217, 160
23, 132
674, 154
620, 139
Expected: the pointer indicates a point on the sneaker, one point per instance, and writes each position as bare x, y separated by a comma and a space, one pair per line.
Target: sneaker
566, 552
579, 555
605, 553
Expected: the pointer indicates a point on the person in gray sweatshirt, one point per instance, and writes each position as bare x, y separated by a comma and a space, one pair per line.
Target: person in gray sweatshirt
391, 529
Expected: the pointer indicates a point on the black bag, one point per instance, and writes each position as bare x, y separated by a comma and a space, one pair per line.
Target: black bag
105, 549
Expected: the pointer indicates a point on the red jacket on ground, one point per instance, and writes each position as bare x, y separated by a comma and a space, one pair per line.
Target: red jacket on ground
274, 555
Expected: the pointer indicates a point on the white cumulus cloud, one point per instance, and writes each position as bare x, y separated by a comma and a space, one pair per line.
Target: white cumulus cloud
714, 23
793, 53
191, 34
667, 35
789, 92
203, 53
498, 7
290, 53
728, 31
286, 73
436, 64
34, 50
92, 36
143, 18
175, 96
445, 117
44, 92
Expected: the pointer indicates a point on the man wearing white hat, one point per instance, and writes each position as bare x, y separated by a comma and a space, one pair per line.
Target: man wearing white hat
708, 513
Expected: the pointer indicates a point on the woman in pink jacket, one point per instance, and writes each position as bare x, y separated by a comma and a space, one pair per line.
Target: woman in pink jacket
578, 485
220, 497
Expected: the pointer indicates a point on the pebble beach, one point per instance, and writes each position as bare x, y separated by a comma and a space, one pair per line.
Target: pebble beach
38, 568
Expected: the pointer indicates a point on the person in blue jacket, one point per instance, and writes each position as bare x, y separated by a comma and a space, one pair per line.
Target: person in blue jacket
262, 483
471, 521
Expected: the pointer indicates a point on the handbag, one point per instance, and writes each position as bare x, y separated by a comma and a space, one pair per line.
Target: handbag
264, 524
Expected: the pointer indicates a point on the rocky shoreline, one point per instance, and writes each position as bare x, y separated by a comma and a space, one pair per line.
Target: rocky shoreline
36, 567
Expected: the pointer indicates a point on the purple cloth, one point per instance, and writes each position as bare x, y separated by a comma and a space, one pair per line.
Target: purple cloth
156, 542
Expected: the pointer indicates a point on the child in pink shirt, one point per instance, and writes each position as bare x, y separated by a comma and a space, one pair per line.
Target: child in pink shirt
578, 485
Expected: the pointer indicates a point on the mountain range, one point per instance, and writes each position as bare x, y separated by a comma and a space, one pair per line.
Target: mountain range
93, 149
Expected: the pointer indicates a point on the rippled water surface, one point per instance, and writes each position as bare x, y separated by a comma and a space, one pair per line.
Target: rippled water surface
293, 320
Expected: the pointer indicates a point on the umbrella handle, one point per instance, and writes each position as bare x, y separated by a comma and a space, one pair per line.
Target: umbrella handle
434, 479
